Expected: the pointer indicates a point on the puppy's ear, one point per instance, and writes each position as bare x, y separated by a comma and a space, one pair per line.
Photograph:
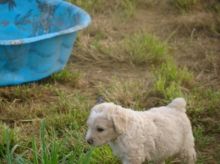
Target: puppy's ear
100, 100
119, 121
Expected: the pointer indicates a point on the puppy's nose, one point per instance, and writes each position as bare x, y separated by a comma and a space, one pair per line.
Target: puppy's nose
90, 141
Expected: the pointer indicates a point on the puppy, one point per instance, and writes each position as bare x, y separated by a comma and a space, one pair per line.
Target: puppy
135, 136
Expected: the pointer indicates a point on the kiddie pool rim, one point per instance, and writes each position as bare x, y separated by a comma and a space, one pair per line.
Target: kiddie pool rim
84, 22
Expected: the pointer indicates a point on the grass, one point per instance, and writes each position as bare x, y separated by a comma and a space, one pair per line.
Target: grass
45, 122
49, 151
184, 5
136, 49
126, 7
91, 5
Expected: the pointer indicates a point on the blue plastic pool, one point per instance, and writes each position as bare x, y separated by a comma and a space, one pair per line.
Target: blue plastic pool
36, 38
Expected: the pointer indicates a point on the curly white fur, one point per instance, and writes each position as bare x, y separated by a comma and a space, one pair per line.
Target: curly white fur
152, 135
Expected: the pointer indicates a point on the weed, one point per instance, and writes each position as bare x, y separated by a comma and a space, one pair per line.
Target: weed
130, 93
66, 76
128, 7
201, 138
206, 100
104, 154
168, 92
170, 79
145, 49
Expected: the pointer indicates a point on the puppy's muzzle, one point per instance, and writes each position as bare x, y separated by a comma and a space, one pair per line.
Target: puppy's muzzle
90, 141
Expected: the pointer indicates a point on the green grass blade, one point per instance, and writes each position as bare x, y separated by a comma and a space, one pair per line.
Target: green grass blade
44, 159
35, 154
7, 140
54, 153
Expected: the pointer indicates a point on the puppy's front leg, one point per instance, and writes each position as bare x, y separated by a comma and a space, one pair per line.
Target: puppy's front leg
132, 161
160, 162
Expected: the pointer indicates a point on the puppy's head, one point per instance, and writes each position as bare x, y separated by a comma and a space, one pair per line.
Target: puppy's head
105, 123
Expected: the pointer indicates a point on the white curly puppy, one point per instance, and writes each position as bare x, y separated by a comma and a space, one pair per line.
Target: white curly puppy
152, 135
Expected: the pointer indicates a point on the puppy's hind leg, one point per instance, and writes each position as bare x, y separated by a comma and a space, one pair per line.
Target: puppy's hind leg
160, 162
132, 161
188, 153
189, 156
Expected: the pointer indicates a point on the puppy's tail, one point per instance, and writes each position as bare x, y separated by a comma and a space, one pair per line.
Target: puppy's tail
179, 104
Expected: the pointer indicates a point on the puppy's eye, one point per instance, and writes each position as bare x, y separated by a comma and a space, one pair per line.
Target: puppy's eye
99, 129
